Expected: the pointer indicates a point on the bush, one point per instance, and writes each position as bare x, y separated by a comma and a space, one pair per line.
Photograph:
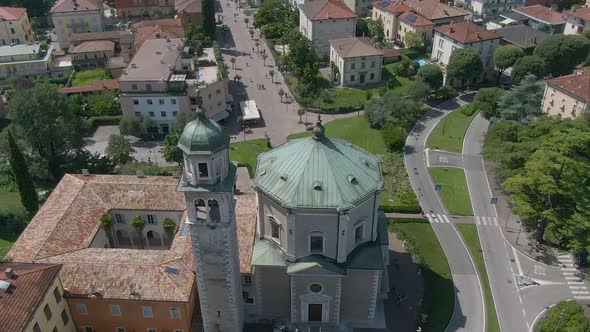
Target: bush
393, 137
12, 223
148, 169
444, 93
467, 110
130, 125
486, 100
104, 120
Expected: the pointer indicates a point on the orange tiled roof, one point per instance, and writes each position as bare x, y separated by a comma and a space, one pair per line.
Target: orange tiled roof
577, 84
467, 32
11, 13
93, 46
27, 291
152, 29
188, 6
581, 13
542, 13
246, 212
434, 9
327, 9
61, 6
414, 19
391, 7
111, 84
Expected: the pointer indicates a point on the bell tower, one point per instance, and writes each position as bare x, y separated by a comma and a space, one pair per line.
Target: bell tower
208, 185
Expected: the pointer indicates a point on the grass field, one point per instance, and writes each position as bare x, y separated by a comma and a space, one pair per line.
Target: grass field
469, 234
246, 152
9, 200
86, 77
453, 193
4, 247
422, 243
449, 132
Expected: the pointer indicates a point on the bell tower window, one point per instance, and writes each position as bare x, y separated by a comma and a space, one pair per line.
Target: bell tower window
203, 170
201, 209
214, 210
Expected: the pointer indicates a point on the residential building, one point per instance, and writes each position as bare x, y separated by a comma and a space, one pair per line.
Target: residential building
323, 20
151, 29
15, 27
466, 34
123, 39
361, 7
577, 19
161, 81
28, 61
567, 96
320, 249
491, 9
76, 16
411, 22
92, 54
358, 62
94, 87
32, 298
438, 12
132, 8
190, 12
388, 13
522, 36
543, 18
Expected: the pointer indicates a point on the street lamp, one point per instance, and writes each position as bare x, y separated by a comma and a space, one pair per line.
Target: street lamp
511, 204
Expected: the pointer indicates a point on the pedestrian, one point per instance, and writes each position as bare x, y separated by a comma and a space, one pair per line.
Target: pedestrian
246, 64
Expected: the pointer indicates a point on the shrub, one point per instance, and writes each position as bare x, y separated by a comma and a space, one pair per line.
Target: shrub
148, 169
130, 125
393, 137
95, 121
12, 223
444, 93
467, 110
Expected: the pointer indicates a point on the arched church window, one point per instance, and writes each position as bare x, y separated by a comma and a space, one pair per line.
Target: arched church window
201, 209
214, 210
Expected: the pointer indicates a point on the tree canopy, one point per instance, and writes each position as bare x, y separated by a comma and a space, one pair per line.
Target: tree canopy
523, 102
376, 31
505, 57
392, 108
119, 149
565, 316
464, 64
208, 18
303, 59
562, 53
22, 177
413, 40
172, 152
487, 100
431, 74
528, 65
276, 18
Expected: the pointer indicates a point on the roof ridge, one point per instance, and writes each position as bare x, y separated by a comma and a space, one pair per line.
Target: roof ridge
47, 266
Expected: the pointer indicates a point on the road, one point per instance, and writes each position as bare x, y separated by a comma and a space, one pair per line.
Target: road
469, 312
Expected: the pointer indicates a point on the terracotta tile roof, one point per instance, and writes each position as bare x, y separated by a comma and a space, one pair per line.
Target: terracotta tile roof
25, 294
152, 29
103, 35
354, 47
522, 35
189, 6
576, 84
65, 226
391, 7
433, 9
11, 13
581, 13
415, 20
93, 46
61, 6
467, 32
542, 13
327, 9
119, 4
111, 84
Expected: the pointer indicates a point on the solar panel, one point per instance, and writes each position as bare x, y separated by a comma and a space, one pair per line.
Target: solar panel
185, 229
172, 270
411, 18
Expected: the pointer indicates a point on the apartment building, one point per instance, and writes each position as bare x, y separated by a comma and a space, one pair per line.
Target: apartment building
92, 54
543, 18
577, 19
323, 20
76, 16
130, 8
358, 62
123, 40
490, 9
411, 22
152, 29
28, 61
32, 298
466, 34
388, 13
189, 12
15, 27
567, 96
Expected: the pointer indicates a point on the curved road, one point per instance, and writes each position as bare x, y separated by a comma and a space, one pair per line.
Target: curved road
469, 313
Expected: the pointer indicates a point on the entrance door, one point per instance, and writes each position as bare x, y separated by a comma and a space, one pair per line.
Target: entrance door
362, 78
314, 312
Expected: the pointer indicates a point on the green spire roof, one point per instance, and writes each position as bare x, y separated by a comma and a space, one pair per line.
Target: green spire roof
202, 136
318, 172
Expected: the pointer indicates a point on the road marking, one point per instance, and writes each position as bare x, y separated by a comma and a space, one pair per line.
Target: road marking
569, 273
477, 221
581, 292
427, 158
569, 269
484, 221
540, 270
496, 222
446, 218
577, 287
575, 283
572, 278
581, 297
517, 261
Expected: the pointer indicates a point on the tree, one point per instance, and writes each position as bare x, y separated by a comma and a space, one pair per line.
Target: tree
233, 63
130, 125
246, 20
103, 103
272, 75
586, 33
362, 27
119, 149
528, 65
523, 102
303, 59
391, 108
419, 91
44, 120
208, 18
281, 93
562, 53
413, 40
431, 74
169, 228
106, 224
147, 124
505, 57
464, 64
237, 78
257, 46
138, 224
182, 118
486, 100
172, 152
241, 124
20, 171
335, 71
565, 316
376, 31
301, 112
276, 11
394, 137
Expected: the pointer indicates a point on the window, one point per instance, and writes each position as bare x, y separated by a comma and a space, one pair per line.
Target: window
152, 114
163, 114
151, 219
363, 65
161, 101
316, 288
64, 317
88, 329
47, 311
152, 330
248, 280
119, 218
148, 87
353, 65
115, 310
133, 86
36, 328
178, 331
174, 113
372, 76
135, 102
138, 114
247, 298
441, 43
12, 30
274, 228
352, 77
57, 295
81, 307
150, 102
173, 101
372, 64
316, 244
120, 329
147, 312
218, 91
203, 170
54, 329
358, 233
175, 313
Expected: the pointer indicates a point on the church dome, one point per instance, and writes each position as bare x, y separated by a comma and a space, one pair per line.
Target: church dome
202, 136
318, 172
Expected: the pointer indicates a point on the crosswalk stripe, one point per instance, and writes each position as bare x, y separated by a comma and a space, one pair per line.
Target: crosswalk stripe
429, 217
581, 297
446, 219
572, 278
569, 269
496, 222
485, 223
435, 218
565, 259
477, 221
581, 292
569, 273
575, 282
577, 287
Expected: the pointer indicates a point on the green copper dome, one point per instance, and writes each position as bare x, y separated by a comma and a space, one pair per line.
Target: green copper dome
202, 136
318, 172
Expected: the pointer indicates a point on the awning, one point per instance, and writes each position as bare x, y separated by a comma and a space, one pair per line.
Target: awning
219, 116
249, 110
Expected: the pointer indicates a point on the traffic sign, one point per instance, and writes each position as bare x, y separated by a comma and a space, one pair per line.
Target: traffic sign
437, 187
494, 200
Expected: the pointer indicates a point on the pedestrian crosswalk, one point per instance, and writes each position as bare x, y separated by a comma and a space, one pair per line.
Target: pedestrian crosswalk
435, 218
486, 221
573, 277
438, 218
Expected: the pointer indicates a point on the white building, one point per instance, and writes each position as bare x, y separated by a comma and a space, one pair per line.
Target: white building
15, 27
28, 61
358, 62
578, 19
488, 9
465, 35
76, 16
323, 20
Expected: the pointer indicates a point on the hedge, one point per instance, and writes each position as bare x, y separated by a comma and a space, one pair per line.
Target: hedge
401, 208
103, 120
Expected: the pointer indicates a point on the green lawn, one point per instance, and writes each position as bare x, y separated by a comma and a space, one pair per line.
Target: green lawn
469, 234
9, 201
86, 77
439, 297
449, 132
246, 152
4, 247
453, 193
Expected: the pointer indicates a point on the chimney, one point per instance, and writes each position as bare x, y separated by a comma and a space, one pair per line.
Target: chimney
140, 173
451, 30
85, 172
9, 272
477, 35
132, 291
534, 40
93, 289
133, 65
